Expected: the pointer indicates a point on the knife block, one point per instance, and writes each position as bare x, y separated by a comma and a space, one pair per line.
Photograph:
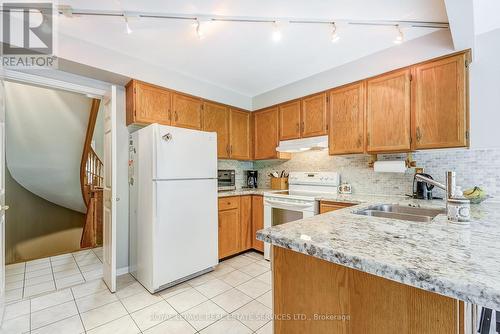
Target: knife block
279, 183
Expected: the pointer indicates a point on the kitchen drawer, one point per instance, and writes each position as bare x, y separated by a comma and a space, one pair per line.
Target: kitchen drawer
227, 203
327, 206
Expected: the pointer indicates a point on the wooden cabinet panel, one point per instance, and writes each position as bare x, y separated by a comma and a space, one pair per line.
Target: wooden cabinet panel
229, 232
245, 223
374, 304
257, 221
147, 104
388, 112
230, 202
239, 130
266, 133
216, 119
289, 120
347, 119
314, 116
327, 206
229, 226
186, 111
440, 107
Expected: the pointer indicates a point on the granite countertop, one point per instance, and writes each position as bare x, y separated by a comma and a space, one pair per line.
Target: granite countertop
244, 191
459, 260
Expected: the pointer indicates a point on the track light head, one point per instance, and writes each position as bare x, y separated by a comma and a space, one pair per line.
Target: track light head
276, 36
400, 36
335, 35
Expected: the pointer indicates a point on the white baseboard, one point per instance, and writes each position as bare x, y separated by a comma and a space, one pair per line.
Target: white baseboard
121, 271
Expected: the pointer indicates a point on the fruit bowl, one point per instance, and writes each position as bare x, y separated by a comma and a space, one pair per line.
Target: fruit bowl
476, 195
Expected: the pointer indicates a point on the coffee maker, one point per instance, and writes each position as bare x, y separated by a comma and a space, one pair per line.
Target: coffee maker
251, 178
422, 190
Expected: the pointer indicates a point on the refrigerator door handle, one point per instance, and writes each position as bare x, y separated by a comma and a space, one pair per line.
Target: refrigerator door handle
167, 137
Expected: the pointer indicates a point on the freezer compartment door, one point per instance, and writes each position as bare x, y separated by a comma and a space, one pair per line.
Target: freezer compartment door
186, 237
185, 154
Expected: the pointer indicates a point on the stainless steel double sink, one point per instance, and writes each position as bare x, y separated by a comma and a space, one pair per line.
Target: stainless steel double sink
395, 211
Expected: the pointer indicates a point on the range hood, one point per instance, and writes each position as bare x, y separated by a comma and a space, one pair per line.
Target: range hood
304, 144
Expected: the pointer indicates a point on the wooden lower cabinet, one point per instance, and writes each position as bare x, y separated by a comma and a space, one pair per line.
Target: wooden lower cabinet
245, 223
240, 217
354, 301
229, 226
327, 206
257, 221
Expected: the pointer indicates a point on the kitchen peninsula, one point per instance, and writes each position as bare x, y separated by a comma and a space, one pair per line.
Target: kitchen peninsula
349, 273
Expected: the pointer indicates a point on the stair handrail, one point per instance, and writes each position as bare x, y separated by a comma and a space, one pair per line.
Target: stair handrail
90, 161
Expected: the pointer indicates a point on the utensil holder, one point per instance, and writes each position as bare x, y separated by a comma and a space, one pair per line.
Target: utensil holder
279, 183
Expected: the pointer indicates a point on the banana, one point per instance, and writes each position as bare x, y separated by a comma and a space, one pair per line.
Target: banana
475, 195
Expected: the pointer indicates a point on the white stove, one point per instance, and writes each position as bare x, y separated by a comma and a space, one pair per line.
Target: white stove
300, 200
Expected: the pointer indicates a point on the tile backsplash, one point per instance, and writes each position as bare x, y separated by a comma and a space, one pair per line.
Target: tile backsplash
474, 167
239, 167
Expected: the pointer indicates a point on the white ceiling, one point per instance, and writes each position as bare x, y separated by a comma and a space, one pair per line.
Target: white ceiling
241, 56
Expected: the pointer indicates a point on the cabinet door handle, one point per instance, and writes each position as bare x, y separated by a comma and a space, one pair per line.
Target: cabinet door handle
302, 127
360, 140
231, 150
298, 127
227, 150
418, 134
175, 115
368, 138
169, 115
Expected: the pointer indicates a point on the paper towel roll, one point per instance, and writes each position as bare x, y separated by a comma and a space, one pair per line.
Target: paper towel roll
389, 166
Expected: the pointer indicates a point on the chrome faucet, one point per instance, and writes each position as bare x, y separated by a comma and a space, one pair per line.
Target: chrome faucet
457, 207
449, 187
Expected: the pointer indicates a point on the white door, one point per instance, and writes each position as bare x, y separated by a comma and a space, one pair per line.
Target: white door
109, 194
3, 207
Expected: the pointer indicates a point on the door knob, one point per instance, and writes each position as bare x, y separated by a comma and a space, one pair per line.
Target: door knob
4, 208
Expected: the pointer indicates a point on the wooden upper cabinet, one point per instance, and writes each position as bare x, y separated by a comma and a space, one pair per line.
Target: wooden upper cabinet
289, 120
388, 112
347, 119
147, 103
186, 111
440, 106
240, 132
216, 119
266, 133
314, 116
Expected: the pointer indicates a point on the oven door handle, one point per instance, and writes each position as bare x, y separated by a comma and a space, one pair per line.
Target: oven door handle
290, 205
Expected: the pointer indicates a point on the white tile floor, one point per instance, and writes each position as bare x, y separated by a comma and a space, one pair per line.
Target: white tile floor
235, 299
29, 279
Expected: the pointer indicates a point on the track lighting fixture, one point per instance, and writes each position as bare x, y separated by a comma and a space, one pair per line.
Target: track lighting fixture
276, 36
127, 26
335, 35
399, 37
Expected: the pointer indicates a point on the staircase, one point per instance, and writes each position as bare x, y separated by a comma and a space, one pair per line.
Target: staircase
91, 180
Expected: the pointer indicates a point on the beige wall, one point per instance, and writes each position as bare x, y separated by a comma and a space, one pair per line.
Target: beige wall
37, 228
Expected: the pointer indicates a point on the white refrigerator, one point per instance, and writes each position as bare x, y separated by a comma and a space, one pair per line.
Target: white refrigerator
173, 205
